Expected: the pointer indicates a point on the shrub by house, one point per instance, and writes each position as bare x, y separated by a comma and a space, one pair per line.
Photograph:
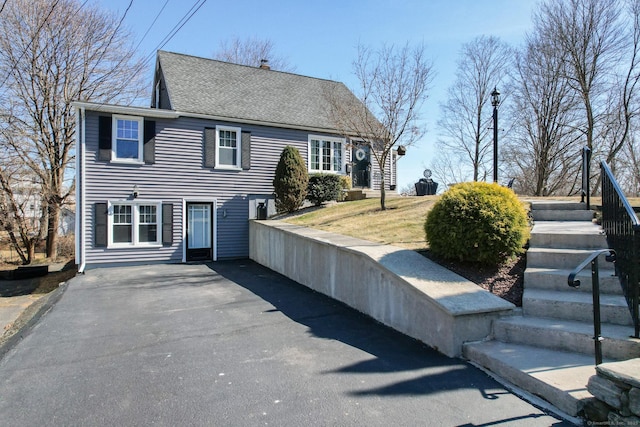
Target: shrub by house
290, 181
324, 187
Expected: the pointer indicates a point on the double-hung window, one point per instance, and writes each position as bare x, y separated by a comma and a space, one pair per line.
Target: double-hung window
228, 140
134, 223
127, 133
326, 154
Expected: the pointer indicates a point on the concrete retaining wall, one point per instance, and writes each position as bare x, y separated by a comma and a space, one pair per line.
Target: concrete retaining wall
395, 286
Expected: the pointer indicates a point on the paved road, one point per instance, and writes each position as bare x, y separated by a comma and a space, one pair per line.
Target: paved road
233, 344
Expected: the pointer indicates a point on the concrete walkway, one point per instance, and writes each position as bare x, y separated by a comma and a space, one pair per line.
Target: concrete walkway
12, 307
233, 343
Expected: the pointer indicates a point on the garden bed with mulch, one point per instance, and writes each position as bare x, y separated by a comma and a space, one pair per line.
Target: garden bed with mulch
505, 281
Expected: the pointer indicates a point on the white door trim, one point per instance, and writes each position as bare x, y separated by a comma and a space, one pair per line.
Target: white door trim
214, 225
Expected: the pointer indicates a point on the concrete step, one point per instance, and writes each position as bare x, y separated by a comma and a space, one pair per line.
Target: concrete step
557, 377
561, 205
567, 234
553, 279
574, 305
561, 215
567, 335
561, 258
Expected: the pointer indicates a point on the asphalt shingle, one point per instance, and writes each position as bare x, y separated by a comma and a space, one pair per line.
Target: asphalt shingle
206, 86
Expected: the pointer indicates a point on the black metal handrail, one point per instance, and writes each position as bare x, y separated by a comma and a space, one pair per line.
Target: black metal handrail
586, 166
622, 227
595, 290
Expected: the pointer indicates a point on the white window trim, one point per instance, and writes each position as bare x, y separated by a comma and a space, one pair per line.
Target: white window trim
114, 139
135, 214
331, 139
238, 131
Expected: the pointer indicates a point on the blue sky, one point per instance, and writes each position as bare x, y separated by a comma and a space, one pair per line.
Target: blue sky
320, 38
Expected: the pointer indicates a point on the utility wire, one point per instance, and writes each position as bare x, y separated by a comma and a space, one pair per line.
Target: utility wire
175, 29
150, 26
185, 18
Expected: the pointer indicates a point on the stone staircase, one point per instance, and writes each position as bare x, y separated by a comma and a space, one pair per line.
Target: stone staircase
547, 347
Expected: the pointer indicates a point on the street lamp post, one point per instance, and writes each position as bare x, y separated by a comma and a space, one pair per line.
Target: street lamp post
495, 100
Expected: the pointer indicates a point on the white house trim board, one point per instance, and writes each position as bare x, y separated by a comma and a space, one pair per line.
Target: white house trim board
128, 111
172, 114
80, 180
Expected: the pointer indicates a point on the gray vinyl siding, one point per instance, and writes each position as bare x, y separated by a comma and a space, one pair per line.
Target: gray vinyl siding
179, 173
389, 178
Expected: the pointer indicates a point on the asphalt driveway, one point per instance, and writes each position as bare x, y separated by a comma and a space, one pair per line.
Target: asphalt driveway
233, 344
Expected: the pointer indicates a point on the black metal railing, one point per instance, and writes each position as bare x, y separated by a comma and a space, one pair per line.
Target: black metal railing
592, 260
622, 227
586, 165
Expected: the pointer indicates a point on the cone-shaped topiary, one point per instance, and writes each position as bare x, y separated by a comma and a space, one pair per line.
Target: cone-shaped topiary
477, 222
291, 180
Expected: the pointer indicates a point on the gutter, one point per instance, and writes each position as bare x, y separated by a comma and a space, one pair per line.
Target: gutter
173, 114
120, 109
80, 183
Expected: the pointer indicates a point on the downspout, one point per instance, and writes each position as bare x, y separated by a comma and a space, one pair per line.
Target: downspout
80, 183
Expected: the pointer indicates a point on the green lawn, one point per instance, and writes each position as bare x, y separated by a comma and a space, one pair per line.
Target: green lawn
402, 224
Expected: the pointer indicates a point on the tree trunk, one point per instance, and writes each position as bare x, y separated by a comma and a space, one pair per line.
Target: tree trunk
19, 249
52, 230
31, 253
383, 206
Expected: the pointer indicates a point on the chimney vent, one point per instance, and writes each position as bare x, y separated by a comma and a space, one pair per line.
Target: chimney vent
264, 64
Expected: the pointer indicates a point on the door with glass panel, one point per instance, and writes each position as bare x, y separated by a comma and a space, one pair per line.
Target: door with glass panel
199, 231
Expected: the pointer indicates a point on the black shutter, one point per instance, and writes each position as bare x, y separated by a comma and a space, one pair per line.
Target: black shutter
104, 138
209, 147
167, 223
149, 141
100, 224
246, 150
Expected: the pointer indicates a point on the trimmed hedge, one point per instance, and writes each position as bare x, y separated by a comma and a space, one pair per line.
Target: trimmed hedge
477, 222
323, 188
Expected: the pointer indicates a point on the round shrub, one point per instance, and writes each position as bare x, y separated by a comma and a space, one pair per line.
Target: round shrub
477, 222
290, 181
323, 188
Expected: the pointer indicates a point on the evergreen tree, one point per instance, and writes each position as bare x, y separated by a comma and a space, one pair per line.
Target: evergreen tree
291, 180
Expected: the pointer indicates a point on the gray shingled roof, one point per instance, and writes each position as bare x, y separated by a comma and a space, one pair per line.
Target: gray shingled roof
206, 86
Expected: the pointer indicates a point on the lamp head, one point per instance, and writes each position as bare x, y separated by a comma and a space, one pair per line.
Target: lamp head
495, 97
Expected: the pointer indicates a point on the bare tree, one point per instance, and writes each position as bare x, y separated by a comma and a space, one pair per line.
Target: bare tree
393, 84
587, 34
628, 175
622, 106
450, 167
53, 52
20, 203
542, 148
252, 51
465, 116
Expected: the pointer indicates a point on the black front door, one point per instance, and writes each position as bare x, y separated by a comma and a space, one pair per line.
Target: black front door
199, 231
361, 173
